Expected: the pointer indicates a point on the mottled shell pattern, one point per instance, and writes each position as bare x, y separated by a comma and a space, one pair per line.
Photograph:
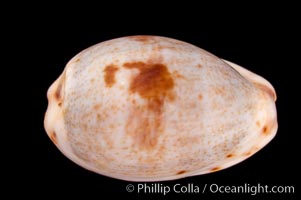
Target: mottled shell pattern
150, 108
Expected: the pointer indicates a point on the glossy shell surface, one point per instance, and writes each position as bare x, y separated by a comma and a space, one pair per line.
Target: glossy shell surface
150, 108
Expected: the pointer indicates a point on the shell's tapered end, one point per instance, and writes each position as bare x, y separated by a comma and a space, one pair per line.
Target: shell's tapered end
258, 81
150, 108
54, 121
266, 121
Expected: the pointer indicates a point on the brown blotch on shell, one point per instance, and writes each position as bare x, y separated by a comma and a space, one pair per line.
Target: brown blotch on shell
229, 155
214, 169
265, 130
154, 84
109, 75
181, 172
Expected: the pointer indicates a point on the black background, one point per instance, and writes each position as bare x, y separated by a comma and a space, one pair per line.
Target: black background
264, 46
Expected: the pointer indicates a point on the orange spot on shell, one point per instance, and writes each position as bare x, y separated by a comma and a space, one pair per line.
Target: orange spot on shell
214, 169
96, 107
109, 76
248, 153
200, 97
230, 155
265, 130
53, 137
251, 151
181, 172
99, 117
141, 38
58, 92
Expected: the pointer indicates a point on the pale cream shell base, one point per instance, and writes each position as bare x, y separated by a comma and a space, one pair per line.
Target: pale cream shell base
56, 129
